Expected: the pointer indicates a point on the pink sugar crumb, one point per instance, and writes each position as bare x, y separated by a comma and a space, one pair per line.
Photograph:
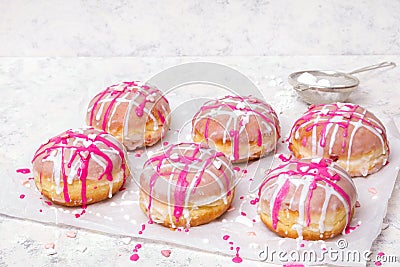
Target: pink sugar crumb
243, 213
166, 253
225, 237
71, 234
22, 196
237, 259
372, 190
134, 257
49, 245
23, 171
236, 169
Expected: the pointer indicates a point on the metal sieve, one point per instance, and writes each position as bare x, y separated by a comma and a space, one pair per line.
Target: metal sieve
323, 87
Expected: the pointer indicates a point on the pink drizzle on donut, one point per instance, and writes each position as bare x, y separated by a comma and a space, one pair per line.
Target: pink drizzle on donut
259, 139
134, 94
182, 162
332, 117
60, 143
278, 201
311, 174
235, 126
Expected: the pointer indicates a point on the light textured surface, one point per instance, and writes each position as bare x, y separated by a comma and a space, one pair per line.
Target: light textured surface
141, 38
26, 86
191, 28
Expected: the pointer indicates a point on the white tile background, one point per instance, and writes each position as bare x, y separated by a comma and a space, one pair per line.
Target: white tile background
198, 28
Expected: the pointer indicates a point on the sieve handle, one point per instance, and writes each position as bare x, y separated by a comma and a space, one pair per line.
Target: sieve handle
372, 67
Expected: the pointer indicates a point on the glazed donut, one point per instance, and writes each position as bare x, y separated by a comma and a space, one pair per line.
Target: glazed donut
310, 199
243, 128
346, 133
136, 114
80, 167
185, 185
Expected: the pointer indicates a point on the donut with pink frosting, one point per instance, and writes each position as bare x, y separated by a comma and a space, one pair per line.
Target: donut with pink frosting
186, 184
243, 128
311, 199
137, 114
80, 167
347, 133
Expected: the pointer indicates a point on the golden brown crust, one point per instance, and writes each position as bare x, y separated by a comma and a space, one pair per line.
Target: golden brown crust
288, 219
255, 151
198, 215
95, 190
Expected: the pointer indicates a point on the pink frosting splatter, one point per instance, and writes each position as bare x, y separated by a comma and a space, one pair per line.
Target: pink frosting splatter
23, 171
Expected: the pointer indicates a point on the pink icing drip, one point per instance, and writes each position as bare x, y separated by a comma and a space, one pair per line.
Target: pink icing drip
180, 192
278, 201
283, 158
161, 116
206, 128
101, 95
235, 135
143, 228
313, 186
23, 171
350, 229
259, 140
110, 106
140, 108
64, 176
237, 258
82, 176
